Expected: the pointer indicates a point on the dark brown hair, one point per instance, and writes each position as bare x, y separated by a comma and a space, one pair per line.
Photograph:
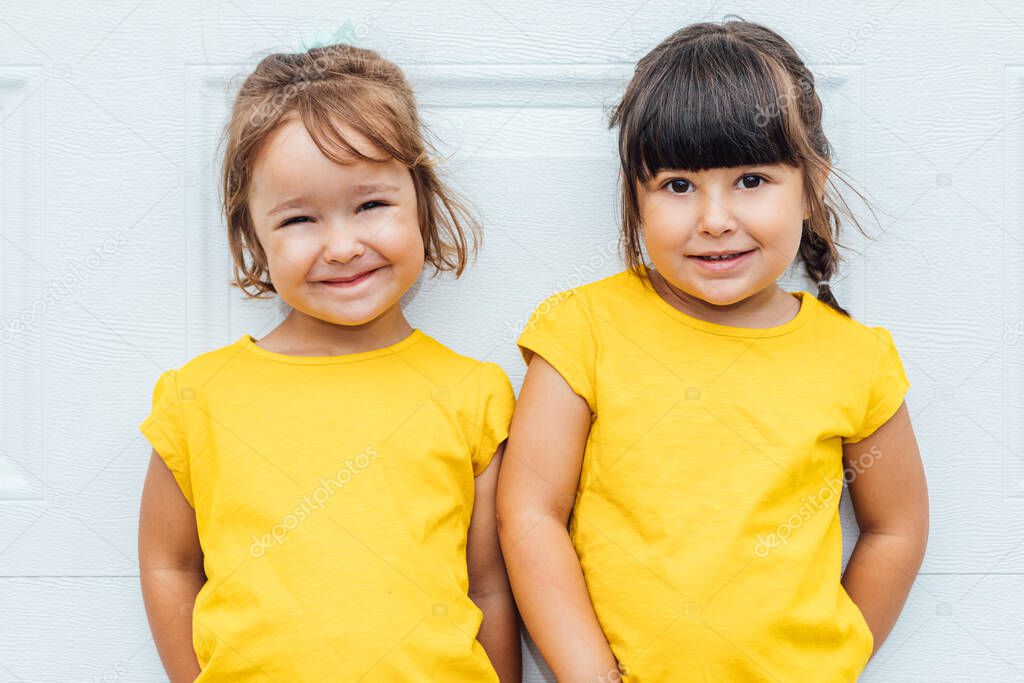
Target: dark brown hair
731, 94
326, 88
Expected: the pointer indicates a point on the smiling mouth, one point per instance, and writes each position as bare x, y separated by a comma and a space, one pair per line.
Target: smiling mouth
721, 257
347, 282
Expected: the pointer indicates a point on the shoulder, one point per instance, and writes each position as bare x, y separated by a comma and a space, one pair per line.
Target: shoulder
866, 355
200, 369
458, 369
478, 391
852, 333
584, 301
175, 390
447, 358
850, 342
622, 284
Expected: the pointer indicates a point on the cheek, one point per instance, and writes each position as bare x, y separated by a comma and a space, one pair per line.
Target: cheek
662, 224
290, 252
781, 233
399, 239
780, 249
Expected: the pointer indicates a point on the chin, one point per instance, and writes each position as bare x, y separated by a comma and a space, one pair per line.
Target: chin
722, 293
350, 314
356, 316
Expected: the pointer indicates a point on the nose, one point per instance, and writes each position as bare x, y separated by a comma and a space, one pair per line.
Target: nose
716, 217
342, 242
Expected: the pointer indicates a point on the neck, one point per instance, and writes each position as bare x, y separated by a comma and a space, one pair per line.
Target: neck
300, 334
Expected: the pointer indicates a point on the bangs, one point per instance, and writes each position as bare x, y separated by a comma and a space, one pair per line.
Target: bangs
356, 125
706, 104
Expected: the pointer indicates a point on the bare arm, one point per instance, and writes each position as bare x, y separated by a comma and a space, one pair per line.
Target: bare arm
488, 582
538, 483
171, 569
890, 498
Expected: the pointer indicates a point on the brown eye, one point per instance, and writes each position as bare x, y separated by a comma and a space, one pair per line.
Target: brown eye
756, 178
678, 186
296, 219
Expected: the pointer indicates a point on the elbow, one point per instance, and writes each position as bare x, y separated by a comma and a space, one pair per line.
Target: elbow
514, 522
506, 510
910, 533
917, 542
504, 517
924, 529
919, 527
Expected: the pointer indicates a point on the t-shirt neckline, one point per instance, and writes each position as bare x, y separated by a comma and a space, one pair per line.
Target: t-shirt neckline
247, 341
807, 305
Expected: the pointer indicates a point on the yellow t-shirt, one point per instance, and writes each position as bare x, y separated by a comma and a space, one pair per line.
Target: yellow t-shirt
333, 496
707, 514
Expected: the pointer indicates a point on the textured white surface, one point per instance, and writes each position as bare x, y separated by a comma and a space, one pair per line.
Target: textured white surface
112, 255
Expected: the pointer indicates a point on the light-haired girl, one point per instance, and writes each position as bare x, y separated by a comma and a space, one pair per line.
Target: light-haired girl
693, 423
320, 502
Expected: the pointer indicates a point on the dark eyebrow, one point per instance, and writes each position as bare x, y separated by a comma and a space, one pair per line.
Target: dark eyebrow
358, 191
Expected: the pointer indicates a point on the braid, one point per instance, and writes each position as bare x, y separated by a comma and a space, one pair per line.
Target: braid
820, 258
737, 71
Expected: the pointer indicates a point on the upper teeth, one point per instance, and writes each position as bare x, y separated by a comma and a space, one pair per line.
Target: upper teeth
721, 256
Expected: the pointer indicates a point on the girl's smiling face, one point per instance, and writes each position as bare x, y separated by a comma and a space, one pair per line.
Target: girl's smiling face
342, 241
758, 210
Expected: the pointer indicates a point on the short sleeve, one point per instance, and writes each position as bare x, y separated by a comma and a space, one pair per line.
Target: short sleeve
495, 402
561, 332
888, 386
164, 428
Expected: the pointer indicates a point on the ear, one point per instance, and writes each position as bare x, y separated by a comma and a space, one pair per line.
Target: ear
819, 180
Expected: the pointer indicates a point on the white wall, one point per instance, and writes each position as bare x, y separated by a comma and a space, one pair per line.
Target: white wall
112, 252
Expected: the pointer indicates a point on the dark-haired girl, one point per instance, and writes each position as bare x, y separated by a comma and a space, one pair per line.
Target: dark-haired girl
669, 501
